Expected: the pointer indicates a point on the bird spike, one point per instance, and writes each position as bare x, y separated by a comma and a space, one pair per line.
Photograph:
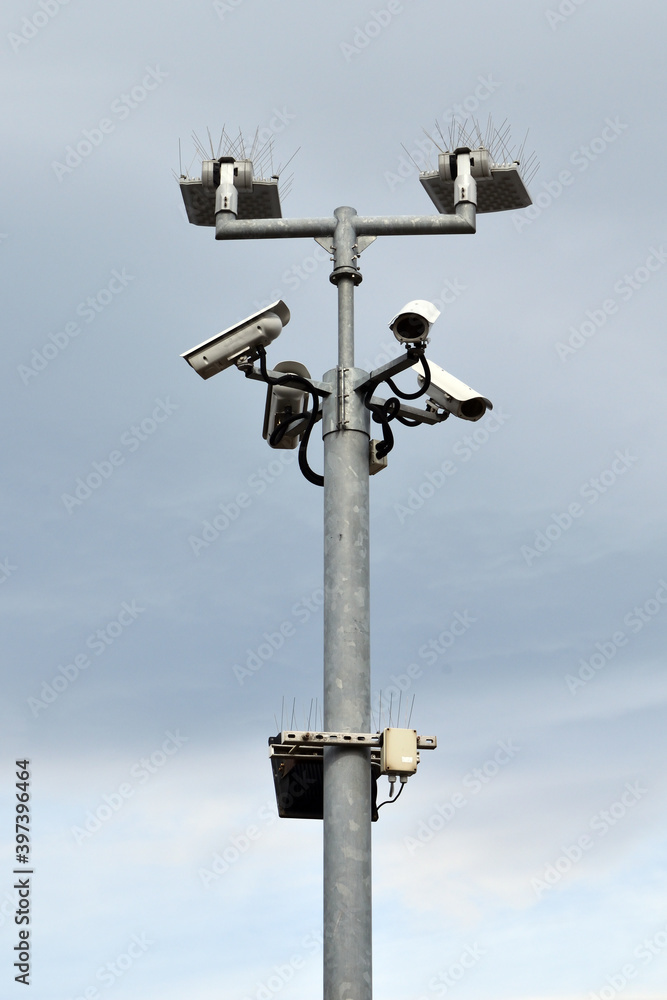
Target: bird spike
497, 139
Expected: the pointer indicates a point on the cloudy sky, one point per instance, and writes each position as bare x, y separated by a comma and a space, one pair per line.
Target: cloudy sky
526, 860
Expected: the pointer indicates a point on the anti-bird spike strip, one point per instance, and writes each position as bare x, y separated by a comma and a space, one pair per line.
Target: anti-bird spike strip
502, 188
268, 186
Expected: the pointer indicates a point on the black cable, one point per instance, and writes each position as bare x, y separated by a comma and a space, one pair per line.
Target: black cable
386, 801
287, 379
424, 388
278, 433
313, 477
387, 442
382, 414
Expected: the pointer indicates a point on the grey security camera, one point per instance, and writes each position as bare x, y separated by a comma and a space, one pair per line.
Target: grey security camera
284, 402
449, 393
223, 350
413, 323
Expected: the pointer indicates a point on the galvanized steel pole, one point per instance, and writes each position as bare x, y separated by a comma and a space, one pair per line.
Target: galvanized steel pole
347, 699
347, 774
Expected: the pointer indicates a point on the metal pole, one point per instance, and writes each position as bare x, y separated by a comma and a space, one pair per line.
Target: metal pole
347, 775
347, 708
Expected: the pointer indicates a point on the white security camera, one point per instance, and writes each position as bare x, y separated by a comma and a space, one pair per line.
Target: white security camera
450, 394
223, 350
283, 402
413, 323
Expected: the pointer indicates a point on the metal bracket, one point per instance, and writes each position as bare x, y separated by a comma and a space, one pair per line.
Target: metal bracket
427, 416
327, 243
391, 368
341, 411
362, 243
300, 738
253, 371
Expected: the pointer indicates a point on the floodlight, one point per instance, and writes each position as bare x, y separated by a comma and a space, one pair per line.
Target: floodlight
298, 778
500, 186
227, 184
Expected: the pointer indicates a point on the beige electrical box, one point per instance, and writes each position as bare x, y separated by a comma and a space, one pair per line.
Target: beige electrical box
399, 751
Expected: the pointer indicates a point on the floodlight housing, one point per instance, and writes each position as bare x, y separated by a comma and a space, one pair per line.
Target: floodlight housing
298, 778
500, 187
256, 198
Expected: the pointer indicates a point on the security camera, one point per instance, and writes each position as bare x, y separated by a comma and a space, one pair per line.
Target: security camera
413, 323
449, 393
223, 350
284, 402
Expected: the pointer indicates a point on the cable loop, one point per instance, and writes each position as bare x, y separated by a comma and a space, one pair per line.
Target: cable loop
277, 435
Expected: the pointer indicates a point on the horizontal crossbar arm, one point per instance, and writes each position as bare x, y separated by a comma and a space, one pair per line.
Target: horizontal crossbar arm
229, 228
